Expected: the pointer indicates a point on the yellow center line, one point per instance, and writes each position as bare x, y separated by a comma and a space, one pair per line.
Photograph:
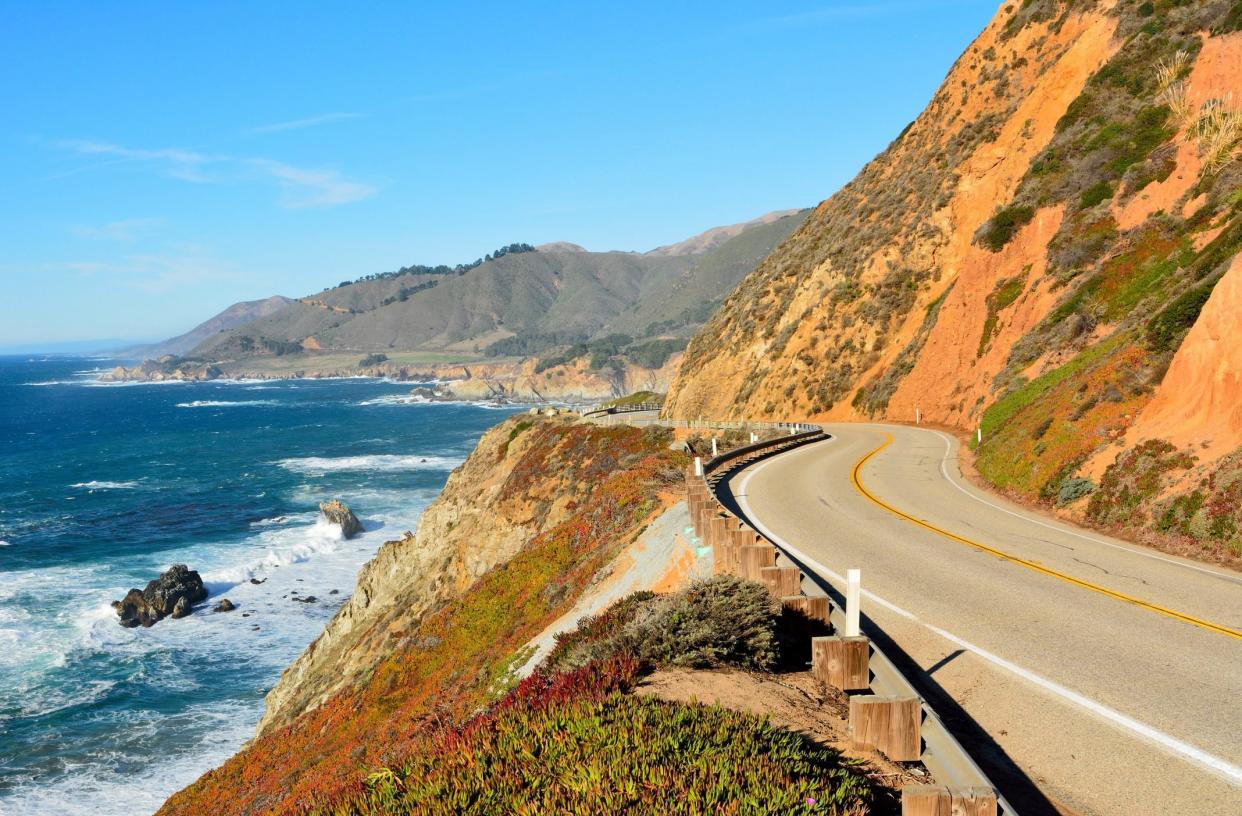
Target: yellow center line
856, 479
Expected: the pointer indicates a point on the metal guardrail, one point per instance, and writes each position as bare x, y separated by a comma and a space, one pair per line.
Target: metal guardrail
943, 756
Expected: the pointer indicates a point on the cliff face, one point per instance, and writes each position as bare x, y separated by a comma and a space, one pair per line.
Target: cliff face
489, 508
529, 522
1027, 256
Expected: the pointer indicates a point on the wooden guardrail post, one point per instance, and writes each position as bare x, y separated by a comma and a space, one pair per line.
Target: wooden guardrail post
781, 581
842, 662
815, 608
889, 724
755, 557
938, 800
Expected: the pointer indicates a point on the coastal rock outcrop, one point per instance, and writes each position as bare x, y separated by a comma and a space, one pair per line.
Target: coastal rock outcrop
338, 512
172, 594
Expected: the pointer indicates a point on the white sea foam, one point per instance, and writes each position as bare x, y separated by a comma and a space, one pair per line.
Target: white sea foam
94, 485
318, 465
5, 544
397, 399
223, 403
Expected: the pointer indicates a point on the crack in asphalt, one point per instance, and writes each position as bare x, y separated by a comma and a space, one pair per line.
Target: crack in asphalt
1110, 572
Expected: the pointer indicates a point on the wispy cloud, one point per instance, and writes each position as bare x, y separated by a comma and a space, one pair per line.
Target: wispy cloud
301, 187
305, 187
186, 165
310, 121
126, 230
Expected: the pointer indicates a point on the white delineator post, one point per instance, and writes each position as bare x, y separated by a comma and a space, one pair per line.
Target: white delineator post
853, 598
978, 436
918, 417
698, 466
754, 437
714, 452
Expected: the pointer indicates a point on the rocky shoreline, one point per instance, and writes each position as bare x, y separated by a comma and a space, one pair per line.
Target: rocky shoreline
517, 381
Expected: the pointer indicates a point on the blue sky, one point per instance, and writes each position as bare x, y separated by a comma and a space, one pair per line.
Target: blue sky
159, 161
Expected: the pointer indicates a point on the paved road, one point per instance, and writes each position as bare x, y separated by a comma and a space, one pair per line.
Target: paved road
1108, 707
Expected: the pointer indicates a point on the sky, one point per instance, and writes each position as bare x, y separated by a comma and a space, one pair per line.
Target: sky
161, 161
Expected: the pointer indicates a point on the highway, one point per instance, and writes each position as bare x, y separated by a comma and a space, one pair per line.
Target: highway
1084, 673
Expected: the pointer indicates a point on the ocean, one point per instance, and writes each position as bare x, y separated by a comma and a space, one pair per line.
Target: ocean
103, 486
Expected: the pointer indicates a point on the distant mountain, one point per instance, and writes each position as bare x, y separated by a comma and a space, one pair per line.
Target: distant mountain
561, 246
521, 302
714, 237
235, 315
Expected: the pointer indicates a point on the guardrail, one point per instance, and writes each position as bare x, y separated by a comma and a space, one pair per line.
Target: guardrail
885, 712
623, 409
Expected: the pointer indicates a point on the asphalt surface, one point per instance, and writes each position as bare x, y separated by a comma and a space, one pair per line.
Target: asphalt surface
1069, 692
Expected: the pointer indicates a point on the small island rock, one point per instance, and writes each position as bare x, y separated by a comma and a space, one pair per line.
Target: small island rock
173, 593
225, 605
337, 512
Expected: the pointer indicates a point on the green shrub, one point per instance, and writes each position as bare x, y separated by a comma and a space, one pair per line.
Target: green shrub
1005, 224
1095, 194
720, 621
1074, 488
372, 360
1166, 330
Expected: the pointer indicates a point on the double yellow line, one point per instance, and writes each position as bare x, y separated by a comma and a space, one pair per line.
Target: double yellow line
856, 479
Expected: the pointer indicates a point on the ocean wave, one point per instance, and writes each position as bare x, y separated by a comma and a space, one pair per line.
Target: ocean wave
385, 463
129, 383
93, 485
5, 544
397, 399
224, 403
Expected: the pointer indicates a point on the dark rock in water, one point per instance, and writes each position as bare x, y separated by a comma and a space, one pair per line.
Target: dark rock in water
173, 593
257, 581
307, 599
336, 512
335, 592
225, 605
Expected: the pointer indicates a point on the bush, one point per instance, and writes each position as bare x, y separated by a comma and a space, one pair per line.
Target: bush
1004, 225
720, 621
1074, 488
1095, 194
372, 360
1166, 330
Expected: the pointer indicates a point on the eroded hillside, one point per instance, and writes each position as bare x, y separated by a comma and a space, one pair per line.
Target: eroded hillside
1037, 254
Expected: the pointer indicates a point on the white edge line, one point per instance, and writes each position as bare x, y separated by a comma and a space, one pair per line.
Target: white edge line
948, 450
1230, 772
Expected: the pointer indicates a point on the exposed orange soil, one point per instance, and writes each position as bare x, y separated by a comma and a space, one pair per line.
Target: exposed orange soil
1199, 402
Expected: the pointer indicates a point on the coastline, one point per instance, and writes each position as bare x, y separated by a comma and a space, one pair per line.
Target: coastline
510, 380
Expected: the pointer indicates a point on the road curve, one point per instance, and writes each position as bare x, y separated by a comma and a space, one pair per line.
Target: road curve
1109, 674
